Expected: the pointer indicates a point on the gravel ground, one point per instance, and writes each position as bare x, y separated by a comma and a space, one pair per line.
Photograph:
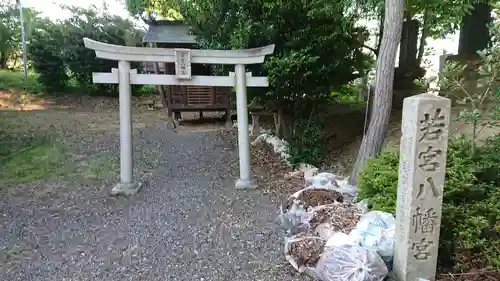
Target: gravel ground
188, 223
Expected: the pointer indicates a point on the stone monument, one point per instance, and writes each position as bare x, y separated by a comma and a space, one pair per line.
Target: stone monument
422, 165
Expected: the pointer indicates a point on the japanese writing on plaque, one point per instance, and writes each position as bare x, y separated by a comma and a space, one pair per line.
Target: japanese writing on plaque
432, 126
424, 220
183, 63
421, 249
428, 185
428, 159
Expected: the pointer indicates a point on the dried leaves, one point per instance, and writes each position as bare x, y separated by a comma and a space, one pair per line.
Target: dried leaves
479, 275
336, 217
306, 251
315, 197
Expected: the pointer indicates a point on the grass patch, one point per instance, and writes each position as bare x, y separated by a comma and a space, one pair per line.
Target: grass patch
39, 159
98, 167
14, 80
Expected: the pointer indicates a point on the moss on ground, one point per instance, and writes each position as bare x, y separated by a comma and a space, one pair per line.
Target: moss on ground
40, 158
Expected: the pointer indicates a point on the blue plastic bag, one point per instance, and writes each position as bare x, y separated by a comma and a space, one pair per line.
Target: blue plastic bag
376, 231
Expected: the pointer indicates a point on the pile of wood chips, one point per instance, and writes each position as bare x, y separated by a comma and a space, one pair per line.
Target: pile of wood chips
339, 217
314, 198
307, 251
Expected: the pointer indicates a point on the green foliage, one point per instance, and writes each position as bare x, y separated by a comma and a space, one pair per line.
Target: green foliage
443, 17
317, 51
478, 109
471, 202
317, 46
46, 56
168, 9
10, 33
104, 27
58, 53
146, 90
15, 80
347, 92
308, 143
306, 146
378, 182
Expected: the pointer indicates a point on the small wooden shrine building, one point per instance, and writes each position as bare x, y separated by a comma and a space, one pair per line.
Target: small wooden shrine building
175, 34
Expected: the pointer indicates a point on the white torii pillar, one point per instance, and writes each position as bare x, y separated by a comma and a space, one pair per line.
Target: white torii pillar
183, 58
245, 180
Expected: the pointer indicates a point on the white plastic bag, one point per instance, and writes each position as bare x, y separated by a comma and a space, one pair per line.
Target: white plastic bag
296, 219
376, 231
338, 239
363, 206
348, 190
351, 263
322, 180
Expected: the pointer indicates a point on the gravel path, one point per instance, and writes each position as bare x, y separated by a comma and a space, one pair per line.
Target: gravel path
188, 223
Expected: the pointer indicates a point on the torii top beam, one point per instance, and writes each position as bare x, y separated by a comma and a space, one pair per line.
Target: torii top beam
143, 54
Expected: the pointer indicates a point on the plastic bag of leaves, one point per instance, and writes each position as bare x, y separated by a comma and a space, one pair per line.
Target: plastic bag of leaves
298, 209
337, 217
303, 253
351, 262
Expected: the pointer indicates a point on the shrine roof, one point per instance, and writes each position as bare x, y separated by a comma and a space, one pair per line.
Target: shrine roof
165, 31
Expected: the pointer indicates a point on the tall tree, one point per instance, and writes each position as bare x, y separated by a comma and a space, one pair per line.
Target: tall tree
436, 18
377, 129
168, 9
10, 33
474, 33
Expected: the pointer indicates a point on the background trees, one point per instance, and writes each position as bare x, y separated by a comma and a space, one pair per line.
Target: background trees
318, 46
10, 38
375, 136
57, 52
318, 50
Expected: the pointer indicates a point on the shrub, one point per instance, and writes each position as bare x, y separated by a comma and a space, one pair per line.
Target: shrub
58, 54
307, 146
45, 54
470, 229
145, 90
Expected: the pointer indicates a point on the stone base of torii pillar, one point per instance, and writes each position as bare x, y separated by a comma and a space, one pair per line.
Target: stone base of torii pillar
126, 189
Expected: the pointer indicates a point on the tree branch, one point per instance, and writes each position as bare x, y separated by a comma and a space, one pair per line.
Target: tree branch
371, 49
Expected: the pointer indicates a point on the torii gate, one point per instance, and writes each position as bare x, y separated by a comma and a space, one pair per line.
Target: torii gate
183, 58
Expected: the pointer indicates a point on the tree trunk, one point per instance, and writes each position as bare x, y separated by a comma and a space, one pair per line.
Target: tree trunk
380, 32
474, 33
377, 128
423, 37
408, 47
3, 62
284, 124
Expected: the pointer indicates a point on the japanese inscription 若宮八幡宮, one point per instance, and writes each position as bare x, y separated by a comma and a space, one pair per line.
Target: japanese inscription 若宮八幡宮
425, 220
